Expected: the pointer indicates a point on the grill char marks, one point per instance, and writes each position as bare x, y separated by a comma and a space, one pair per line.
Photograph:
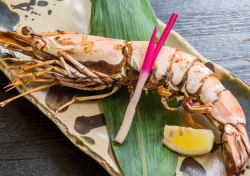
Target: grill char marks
190, 76
104, 67
109, 69
196, 74
179, 66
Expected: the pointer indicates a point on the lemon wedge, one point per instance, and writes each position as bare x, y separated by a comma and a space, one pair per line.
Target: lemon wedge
188, 141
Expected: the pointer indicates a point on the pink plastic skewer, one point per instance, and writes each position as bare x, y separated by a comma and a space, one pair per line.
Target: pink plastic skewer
129, 114
149, 60
164, 36
150, 52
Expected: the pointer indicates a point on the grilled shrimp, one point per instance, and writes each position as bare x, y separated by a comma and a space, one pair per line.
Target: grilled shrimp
91, 63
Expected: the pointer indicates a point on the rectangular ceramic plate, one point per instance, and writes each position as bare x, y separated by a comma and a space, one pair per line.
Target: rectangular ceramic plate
83, 123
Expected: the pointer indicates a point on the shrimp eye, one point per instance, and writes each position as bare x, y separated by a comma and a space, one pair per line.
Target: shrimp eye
26, 30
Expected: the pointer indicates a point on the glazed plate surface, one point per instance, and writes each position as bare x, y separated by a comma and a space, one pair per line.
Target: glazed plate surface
83, 123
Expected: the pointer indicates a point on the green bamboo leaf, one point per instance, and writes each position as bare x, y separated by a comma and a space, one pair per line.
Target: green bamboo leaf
122, 19
142, 153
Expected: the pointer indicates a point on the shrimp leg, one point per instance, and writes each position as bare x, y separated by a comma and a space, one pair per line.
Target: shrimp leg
189, 106
165, 94
86, 98
190, 120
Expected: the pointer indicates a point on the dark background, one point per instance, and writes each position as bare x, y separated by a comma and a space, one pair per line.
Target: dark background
30, 144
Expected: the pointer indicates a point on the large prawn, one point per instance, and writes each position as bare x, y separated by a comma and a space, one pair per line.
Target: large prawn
91, 63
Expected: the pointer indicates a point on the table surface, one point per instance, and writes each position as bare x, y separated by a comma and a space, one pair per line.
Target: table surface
30, 144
